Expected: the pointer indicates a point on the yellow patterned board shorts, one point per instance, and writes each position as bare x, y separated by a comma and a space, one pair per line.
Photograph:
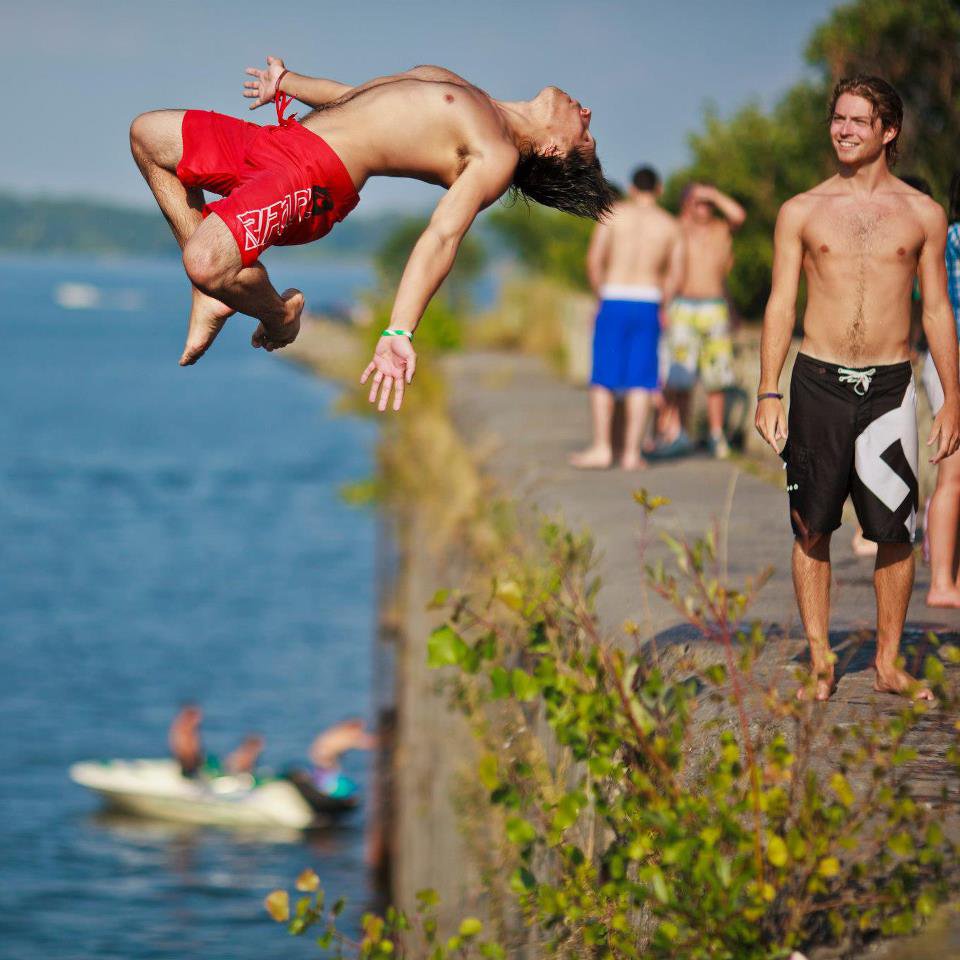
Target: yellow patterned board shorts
698, 343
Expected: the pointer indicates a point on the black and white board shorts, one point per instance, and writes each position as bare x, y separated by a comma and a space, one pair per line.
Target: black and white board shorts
852, 431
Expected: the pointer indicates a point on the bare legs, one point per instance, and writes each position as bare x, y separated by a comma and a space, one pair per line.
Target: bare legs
221, 285
811, 582
893, 582
715, 401
599, 455
943, 518
674, 414
637, 408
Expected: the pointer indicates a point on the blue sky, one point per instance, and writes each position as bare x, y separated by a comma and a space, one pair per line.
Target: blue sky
77, 73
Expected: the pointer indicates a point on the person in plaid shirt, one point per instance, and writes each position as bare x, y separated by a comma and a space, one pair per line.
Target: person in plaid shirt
943, 509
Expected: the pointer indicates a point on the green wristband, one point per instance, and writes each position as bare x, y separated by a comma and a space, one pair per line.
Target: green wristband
397, 333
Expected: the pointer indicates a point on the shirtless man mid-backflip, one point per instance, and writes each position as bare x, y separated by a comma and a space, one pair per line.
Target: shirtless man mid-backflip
292, 182
860, 237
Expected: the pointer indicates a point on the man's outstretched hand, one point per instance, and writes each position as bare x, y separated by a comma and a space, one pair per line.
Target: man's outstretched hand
264, 88
392, 367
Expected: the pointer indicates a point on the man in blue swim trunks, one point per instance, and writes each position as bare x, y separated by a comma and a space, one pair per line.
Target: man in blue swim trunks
635, 265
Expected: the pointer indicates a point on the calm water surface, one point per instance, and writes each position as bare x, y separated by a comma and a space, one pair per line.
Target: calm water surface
165, 534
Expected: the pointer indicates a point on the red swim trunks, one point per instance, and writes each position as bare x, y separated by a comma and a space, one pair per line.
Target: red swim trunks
281, 185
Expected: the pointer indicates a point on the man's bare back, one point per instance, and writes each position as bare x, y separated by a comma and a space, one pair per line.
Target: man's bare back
860, 259
634, 263
641, 244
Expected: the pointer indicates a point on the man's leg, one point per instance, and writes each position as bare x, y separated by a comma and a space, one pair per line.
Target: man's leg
637, 407
893, 582
599, 455
716, 370
156, 141
943, 518
715, 409
212, 261
811, 582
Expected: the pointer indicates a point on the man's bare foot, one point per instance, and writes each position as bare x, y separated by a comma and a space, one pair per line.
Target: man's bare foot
593, 458
207, 317
824, 687
863, 547
633, 462
948, 597
895, 680
281, 335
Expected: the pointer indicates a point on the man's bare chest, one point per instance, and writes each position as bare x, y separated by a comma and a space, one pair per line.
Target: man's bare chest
884, 234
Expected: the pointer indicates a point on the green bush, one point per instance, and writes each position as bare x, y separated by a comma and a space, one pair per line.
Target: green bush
634, 829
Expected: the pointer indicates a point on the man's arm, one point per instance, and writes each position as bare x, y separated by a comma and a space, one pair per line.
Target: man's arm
485, 179
940, 330
313, 91
778, 320
598, 254
730, 210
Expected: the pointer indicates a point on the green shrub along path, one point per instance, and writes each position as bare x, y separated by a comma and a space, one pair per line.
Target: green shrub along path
653, 790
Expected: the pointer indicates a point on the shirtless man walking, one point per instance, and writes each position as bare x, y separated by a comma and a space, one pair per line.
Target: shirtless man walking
291, 183
635, 265
698, 341
860, 237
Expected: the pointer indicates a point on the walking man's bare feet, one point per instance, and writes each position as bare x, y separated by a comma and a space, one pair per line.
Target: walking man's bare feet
943, 596
207, 317
593, 458
284, 333
895, 680
822, 689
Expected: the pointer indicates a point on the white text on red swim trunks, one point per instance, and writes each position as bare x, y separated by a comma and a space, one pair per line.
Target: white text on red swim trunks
261, 227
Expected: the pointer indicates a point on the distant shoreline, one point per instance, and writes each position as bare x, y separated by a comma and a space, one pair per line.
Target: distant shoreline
40, 225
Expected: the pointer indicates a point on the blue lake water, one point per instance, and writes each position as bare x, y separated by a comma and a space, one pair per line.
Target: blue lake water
165, 535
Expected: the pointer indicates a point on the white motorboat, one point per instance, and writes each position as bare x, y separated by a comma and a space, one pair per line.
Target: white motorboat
157, 788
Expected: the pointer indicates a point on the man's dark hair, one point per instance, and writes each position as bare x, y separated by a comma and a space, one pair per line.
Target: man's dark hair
573, 183
646, 179
886, 103
953, 201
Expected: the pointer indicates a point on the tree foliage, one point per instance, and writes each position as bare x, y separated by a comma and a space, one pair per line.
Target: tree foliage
765, 157
544, 241
394, 250
916, 46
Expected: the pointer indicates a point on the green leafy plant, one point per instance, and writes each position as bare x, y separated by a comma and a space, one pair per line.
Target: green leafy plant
665, 804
